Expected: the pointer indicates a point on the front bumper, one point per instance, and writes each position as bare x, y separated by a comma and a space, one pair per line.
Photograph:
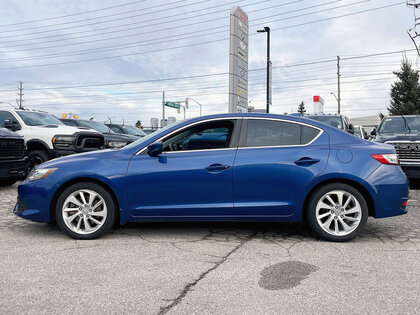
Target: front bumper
13, 169
56, 153
33, 200
412, 171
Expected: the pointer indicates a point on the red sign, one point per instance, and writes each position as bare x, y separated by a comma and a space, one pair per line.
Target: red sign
317, 98
243, 17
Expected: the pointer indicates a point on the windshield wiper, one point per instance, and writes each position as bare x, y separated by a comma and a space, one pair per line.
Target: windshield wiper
406, 125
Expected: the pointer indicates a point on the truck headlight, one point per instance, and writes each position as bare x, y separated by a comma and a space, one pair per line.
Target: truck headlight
116, 144
41, 173
63, 141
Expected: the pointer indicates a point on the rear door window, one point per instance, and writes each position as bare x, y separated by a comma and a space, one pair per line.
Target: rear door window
267, 133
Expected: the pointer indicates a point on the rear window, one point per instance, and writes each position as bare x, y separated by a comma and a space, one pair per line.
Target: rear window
261, 132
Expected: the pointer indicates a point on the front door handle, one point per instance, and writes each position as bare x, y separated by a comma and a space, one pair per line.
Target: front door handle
306, 161
217, 168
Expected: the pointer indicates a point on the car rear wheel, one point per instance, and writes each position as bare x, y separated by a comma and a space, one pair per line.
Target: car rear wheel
337, 212
85, 211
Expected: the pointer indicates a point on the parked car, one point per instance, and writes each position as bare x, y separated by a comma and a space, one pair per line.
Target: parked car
112, 139
337, 121
403, 132
126, 130
13, 162
247, 167
47, 137
359, 131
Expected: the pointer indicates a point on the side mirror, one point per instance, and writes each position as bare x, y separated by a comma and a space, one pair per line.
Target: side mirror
155, 149
12, 125
8, 124
373, 132
351, 129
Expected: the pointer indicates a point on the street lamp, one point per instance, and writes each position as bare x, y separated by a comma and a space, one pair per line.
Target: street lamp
338, 102
267, 30
201, 105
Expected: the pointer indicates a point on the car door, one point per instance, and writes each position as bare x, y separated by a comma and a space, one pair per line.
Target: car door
191, 178
275, 160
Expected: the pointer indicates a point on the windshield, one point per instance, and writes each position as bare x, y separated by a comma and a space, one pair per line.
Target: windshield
396, 125
334, 121
94, 125
131, 130
38, 119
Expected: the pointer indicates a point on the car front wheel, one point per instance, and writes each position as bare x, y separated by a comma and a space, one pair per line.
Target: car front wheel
337, 212
85, 211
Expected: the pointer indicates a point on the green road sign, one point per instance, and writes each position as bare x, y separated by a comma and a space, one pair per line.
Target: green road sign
173, 105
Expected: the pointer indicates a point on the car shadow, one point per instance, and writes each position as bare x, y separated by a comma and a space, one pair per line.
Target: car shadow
281, 229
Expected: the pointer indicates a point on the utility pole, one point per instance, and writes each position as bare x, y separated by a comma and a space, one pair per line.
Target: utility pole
267, 30
163, 108
20, 94
338, 85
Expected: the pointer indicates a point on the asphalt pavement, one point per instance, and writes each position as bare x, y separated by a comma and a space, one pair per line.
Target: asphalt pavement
209, 268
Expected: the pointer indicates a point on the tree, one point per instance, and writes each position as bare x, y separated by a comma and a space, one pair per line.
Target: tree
405, 92
301, 108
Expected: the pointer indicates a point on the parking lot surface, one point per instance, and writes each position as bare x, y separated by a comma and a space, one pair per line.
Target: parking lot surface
210, 268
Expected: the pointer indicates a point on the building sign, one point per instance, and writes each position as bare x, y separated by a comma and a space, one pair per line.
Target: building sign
238, 61
318, 104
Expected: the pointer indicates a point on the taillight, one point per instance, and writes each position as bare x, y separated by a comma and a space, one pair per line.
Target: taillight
390, 159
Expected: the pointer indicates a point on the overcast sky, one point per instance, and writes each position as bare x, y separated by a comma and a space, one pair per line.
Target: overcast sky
64, 51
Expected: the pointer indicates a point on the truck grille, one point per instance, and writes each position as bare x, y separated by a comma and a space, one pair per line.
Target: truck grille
90, 142
410, 151
11, 148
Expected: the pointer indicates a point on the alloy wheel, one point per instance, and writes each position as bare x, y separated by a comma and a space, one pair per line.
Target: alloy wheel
84, 211
338, 212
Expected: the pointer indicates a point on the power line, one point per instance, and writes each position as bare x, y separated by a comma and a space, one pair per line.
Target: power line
149, 25
73, 14
96, 17
123, 18
217, 74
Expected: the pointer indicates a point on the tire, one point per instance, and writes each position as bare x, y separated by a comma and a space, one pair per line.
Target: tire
90, 219
333, 220
7, 182
37, 157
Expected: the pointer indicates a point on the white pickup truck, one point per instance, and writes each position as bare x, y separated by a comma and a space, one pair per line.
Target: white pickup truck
46, 136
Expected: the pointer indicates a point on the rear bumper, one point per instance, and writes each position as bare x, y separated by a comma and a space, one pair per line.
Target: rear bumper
389, 188
13, 169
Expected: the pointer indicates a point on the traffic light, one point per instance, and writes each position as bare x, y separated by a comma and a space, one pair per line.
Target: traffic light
187, 102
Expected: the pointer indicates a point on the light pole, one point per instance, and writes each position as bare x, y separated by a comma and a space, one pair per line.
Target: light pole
267, 30
338, 102
201, 105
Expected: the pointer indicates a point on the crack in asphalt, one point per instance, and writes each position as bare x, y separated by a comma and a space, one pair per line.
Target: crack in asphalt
191, 285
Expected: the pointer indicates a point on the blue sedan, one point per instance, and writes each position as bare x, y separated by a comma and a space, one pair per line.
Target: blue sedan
244, 167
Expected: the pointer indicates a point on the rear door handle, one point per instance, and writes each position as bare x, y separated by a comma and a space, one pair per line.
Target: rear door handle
306, 161
217, 168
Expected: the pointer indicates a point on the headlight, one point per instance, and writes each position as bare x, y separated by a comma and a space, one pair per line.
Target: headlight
116, 144
63, 141
41, 173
